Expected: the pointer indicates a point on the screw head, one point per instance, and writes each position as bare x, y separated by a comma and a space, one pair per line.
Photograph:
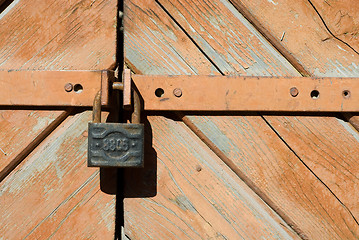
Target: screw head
177, 92
68, 87
294, 92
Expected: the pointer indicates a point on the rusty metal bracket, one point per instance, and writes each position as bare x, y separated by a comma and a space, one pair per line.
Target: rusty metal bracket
239, 93
54, 88
181, 93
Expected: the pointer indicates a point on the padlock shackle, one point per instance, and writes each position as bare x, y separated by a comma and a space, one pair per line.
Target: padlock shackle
96, 111
136, 115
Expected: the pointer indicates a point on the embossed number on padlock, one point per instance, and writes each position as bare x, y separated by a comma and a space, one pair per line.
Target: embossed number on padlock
115, 145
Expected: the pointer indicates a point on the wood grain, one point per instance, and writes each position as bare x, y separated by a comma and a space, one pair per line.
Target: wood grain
324, 145
322, 55
81, 35
341, 18
54, 194
207, 19
198, 197
305, 36
139, 213
248, 142
20, 131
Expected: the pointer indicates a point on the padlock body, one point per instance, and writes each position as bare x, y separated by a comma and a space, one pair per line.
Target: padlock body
115, 145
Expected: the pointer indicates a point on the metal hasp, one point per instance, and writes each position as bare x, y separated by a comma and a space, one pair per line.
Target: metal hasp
116, 144
53, 88
240, 93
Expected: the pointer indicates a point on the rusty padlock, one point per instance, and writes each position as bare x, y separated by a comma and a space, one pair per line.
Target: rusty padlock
116, 144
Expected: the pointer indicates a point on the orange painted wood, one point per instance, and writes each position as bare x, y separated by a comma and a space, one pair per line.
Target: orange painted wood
81, 36
54, 194
322, 55
198, 196
32, 41
328, 150
20, 131
212, 16
60, 198
250, 147
305, 36
139, 213
341, 18
163, 38
237, 93
49, 87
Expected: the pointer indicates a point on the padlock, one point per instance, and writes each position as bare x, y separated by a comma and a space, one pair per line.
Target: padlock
116, 144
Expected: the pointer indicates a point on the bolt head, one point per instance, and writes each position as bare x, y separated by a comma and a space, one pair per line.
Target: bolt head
294, 92
177, 92
68, 87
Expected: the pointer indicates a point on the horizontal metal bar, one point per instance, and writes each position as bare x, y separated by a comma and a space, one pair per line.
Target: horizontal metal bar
53, 88
238, 93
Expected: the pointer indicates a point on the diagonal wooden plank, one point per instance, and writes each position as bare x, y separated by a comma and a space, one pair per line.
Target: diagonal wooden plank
195, 30
15, 125
322, 55
324, 145
53, 193
198, 195
56, 35
270, 165
141, 49
305, 36
35, 38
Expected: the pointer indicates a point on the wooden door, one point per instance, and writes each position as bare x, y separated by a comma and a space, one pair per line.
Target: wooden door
251, 175
46, 189
206, 176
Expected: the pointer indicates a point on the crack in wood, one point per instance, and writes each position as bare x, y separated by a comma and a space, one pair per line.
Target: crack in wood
330, 32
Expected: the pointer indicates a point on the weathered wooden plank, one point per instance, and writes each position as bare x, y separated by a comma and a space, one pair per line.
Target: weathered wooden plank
152, 42
198, 195
20, 131
325, 146
276, 170
34, 38
196, 30
82, 35
141, 56
57, 35
341, 18
305, 36
227, 38
322, 55
53, 193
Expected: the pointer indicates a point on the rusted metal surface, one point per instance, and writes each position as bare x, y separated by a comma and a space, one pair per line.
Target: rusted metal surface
237, 93
136, 114
127, 88
117, 86
96, 110
53, 88
115, 145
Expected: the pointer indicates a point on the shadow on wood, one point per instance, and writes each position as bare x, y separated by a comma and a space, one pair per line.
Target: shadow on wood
142, 182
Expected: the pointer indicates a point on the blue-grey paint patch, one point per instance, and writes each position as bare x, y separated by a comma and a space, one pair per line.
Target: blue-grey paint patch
349, 128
